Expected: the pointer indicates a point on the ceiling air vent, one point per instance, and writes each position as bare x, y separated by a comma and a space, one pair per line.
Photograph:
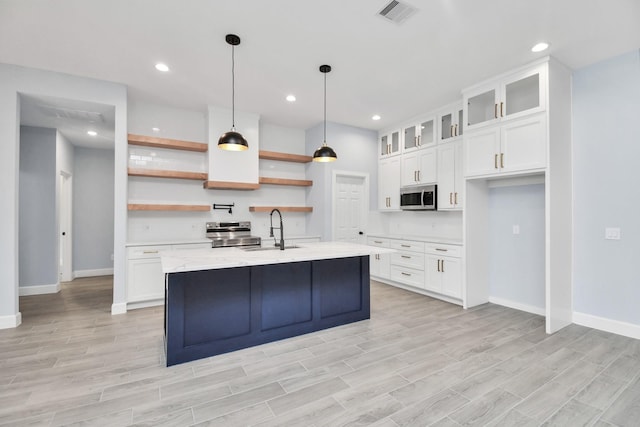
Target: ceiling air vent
397, 12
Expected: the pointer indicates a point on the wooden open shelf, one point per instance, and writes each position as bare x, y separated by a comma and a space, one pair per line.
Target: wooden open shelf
186, 208
281, 208
229, 185
286, 181
176, 144
158, 173
285, 157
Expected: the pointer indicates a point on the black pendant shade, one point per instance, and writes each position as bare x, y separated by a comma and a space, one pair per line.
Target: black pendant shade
232, 140
325, 153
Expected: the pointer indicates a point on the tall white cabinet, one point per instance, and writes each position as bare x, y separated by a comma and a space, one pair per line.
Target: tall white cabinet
517, 125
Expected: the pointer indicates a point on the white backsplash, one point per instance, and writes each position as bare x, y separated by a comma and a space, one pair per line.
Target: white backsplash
417, 223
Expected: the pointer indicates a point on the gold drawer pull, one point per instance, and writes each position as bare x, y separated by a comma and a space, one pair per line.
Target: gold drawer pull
406, 274
149, 252
441, 250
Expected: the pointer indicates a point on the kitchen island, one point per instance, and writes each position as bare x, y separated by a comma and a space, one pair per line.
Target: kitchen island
224, 299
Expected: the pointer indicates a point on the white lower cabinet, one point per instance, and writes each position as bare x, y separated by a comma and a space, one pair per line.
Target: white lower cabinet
145, 280
422, 266
443, 270
379, 264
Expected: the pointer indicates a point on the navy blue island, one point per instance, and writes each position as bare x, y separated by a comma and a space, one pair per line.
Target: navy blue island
221, 300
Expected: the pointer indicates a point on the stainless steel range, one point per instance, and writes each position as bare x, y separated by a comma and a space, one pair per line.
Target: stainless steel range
231, 234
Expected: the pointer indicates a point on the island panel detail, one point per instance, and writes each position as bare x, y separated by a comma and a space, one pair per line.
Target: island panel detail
216, 311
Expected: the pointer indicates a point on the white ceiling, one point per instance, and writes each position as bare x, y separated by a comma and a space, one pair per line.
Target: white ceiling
397, 71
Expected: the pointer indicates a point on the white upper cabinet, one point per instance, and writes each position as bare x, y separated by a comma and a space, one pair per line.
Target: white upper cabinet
389, 184
451, 123
420, 135
390, 143
419, 167
450, 176
510, 97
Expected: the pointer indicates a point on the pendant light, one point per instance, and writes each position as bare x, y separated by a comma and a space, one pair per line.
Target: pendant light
232, 140
325, 153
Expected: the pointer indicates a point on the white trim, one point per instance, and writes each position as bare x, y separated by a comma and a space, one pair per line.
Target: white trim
39, 289
120, 308
93, 273
13, 321
420, 291
367, 189
608, 325
145, 304
518, 306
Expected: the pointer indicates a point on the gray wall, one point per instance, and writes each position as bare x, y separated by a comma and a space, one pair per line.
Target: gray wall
38, 244
606, 149
516, 261
93, 193
357, 152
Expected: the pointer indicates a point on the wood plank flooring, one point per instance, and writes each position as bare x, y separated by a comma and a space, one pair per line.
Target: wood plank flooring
416, 362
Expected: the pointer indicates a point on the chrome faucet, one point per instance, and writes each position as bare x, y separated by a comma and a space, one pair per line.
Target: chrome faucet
272, 227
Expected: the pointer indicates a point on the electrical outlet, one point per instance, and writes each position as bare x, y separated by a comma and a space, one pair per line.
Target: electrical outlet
612, 233
111, 257
516, 229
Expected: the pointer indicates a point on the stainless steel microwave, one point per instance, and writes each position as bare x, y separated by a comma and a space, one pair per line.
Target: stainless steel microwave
420, 198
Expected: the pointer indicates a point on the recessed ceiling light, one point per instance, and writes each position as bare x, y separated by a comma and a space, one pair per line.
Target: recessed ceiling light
155, 129
92, 132
540, 47
162, 67
376, 117
291, 98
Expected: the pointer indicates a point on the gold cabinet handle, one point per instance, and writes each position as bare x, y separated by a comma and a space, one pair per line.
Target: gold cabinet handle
442, 250
442, 266
438, 265
419, 140
406, 246
450, 201
405, 256
451, 130
495, 111
502, 160
377, 241
495, 161
501, 109
456, 129
406, 274
418, 176
455, 198
150, 252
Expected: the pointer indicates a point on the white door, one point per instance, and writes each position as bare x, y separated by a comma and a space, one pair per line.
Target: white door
64, 227
350, 207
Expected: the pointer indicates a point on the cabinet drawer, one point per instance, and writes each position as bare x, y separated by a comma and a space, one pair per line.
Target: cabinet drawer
408, 245
137, 252
377, 241
408, 259
408, 276
443, 250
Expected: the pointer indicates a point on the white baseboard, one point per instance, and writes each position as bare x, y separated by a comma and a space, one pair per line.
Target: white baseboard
38, 289
93, 273
12, 321
518, 306
608, 325
145, 304
119, 308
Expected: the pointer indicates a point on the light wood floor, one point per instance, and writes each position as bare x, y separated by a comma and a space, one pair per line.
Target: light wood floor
417, 362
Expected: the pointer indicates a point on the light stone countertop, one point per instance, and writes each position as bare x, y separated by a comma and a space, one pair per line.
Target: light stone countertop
426, 239
211, 259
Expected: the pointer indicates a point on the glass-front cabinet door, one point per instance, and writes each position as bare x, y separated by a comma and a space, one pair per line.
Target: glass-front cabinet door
514, 96
419, 135
451, 123
389, 143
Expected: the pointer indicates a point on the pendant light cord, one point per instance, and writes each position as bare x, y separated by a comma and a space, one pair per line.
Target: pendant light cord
233, 87
324, 139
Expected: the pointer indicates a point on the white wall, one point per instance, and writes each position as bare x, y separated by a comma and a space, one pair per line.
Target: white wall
606, 149
38, 226
516, 261
13, 81
357, 152
189, 226
93, 195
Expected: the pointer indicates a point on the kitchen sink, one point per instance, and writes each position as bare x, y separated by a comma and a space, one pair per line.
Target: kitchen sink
268, 248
